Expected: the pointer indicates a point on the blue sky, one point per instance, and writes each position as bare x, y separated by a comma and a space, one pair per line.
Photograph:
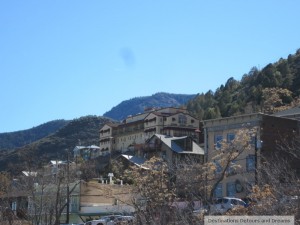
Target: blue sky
71, 58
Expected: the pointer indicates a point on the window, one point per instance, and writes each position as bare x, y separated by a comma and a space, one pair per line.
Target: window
231, 168
224, 200
218, 191
234, 202
74, 202
218, 141
250, 163
192, 121
163, 155
230, 137
252, 140
218, 167
256, 142
14, 206
182, 119
230, 189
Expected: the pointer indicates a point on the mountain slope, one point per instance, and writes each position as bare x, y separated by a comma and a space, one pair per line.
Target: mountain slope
55, 146
276, 87
16, 139
138, 104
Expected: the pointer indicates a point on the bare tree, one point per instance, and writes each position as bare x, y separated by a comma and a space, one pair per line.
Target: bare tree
278, 189
48, 195
153, 193
160, 187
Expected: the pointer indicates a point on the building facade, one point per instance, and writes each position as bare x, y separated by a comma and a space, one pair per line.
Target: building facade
87, 152
173, 149
266, 131
135, 130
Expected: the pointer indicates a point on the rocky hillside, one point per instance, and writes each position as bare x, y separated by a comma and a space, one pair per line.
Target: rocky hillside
11, 140
84, 131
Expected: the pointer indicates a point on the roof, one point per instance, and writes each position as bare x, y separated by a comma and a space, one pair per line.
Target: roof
197, 149
253, 115
29, 173
111, 124
54, 162
289, 112
86, 147
51, 188
171, 143
135, 160
169, 114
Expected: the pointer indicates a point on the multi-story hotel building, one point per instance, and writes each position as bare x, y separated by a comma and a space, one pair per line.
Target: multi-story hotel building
135, 130
268, 131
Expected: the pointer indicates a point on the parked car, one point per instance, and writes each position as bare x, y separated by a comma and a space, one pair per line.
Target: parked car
124, 220
222, 205
105, 220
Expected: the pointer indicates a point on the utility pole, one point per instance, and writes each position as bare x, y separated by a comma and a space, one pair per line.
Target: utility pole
255, 158
258, 146
68, 191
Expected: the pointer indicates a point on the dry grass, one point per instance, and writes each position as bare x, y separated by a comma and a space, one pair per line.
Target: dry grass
96, 193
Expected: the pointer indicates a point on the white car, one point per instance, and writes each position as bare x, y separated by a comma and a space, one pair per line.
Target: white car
105, 220
124, 220
222, 205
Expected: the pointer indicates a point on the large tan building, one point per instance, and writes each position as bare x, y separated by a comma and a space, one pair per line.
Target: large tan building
268, 130
135, 130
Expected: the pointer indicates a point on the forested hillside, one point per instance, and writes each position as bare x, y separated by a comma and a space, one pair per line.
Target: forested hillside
273, 88
137, 105
84, 131
16, 139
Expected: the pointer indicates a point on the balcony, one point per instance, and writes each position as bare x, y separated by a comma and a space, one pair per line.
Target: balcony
150, 129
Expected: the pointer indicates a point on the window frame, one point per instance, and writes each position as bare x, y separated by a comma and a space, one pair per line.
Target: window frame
218, 167
229, 137
218, 192
230, 189
250, 165
218, 139
231, 170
